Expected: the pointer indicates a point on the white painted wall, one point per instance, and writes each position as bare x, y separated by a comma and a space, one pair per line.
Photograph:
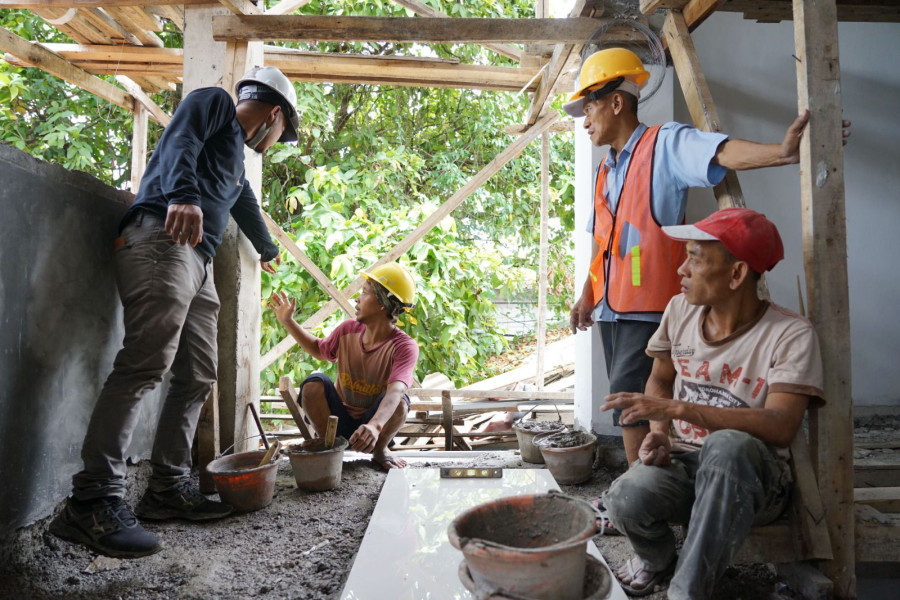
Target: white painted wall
752, 76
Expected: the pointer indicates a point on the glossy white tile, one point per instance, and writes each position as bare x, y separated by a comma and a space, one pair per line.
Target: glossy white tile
405, 553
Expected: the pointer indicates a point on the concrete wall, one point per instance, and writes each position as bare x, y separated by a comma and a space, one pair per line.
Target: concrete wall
60, 328
752, 76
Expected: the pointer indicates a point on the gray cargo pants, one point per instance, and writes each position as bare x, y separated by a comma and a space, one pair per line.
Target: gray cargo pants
733, 483
170, 313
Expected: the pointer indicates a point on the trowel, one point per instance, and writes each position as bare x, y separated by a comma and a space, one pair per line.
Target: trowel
273, 450
330, 432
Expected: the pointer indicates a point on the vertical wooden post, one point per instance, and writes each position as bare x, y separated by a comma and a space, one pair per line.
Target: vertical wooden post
208, 446
542, 261
698, 97
138, 146
825, 262
447, 413
237, 273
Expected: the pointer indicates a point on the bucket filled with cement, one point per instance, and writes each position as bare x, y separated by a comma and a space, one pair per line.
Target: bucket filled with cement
526, 432
242, 482
569, 455
532, 546
317, 468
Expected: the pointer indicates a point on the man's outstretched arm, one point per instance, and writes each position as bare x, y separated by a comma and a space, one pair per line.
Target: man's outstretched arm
742, 155
284, 308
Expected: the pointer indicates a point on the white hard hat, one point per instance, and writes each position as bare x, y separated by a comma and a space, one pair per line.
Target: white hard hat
275, 81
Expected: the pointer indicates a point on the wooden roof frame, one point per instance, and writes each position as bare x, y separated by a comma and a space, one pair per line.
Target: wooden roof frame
130, 26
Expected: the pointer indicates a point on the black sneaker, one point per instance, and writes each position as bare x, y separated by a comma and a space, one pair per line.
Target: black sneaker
107, 526
182, 501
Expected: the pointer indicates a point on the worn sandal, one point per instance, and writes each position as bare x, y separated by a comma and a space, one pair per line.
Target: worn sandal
634, 570
604, 525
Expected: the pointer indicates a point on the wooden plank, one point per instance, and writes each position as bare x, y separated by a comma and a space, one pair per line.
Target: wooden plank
208, 441
507, 394
885, 499
544, 247
399, 29
395, 70
286, 7
172, 13
698, 97
447, 409
289, 394
560, 58
73, 25
697, 11
92, 3
308, 264
877, 536
37, 56
138, 147
806, 504
886, 445
876, 475
519, 129
153, 110
127, 20
104, 23
424, 10
242, 7
122, 54
499, 161
773, 11
825, 263
775, 542
651, 6
298, 65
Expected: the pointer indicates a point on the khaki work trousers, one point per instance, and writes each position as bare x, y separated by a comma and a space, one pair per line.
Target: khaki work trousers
170, 313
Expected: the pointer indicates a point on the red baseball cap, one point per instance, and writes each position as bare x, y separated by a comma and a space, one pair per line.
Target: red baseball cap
747, 234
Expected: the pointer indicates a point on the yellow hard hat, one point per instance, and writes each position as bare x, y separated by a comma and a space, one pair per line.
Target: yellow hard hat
604, 66
396, 279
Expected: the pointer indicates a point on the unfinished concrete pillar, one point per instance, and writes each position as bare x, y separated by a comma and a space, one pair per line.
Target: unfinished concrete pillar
237, 272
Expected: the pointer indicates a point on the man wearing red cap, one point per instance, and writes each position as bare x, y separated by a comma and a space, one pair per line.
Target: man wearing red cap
731, 379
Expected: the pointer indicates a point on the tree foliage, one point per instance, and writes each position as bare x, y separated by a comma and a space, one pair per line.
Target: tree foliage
372, 163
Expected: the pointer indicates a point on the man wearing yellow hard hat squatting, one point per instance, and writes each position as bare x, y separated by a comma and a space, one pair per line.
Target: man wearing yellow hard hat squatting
640, 187
375, 363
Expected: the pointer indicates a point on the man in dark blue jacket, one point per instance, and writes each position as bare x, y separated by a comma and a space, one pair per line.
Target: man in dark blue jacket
194, 181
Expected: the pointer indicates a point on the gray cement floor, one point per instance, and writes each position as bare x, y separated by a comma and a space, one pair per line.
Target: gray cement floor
300, 547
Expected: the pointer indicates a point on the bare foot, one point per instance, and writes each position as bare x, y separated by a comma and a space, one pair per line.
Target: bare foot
387, 461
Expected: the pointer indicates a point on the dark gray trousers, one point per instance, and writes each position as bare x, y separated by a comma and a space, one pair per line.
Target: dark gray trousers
170, 313
733, 483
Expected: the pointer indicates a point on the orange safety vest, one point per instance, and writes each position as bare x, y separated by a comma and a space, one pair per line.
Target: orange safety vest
642, 278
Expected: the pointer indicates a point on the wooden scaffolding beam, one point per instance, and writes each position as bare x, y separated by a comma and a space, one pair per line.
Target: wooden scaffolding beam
698, 97
825, 263
423, 10
436, 30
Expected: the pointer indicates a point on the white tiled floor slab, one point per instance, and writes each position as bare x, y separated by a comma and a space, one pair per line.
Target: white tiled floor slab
405, 553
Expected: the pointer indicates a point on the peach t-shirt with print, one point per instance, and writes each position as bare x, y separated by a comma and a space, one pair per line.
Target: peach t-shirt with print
776, 352
364, 373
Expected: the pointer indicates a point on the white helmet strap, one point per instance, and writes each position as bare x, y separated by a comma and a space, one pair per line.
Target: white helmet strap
261, 132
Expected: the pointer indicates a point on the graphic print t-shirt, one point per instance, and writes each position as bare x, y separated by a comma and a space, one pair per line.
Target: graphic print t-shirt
776, 352
364, 373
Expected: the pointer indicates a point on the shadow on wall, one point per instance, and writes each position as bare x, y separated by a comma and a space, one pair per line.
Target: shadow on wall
60, 331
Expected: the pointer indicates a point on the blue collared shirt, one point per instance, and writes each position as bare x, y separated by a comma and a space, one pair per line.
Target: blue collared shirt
682, 160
